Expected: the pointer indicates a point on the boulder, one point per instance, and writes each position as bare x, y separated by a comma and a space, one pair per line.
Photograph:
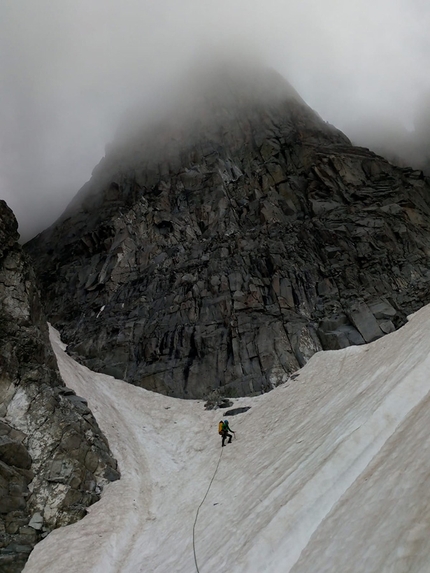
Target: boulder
36, 521
365, 322
14, 453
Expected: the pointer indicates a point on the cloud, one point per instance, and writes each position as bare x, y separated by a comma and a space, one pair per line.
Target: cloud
71, 69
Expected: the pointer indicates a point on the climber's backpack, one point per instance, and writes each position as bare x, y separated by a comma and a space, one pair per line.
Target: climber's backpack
220, 428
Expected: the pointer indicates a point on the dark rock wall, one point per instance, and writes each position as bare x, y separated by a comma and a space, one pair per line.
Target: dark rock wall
54, 460
223, 253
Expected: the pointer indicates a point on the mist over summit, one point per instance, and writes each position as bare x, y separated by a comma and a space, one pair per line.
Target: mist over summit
200, 109
209, 94
217, 247
71, 71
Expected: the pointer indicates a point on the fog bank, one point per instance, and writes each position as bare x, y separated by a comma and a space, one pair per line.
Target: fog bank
71, 70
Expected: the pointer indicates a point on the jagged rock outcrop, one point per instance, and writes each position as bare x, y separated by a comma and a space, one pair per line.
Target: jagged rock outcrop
220, 248
54, 460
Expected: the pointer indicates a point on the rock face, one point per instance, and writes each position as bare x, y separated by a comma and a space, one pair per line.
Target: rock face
217, 250
54, 460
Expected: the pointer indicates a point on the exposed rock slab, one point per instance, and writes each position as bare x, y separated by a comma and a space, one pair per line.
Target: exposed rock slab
54, 460
218, 252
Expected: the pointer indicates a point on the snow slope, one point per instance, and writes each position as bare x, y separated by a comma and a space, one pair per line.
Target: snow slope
330, 472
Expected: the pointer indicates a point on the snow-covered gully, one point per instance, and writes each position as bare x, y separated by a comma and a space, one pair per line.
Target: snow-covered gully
330, 472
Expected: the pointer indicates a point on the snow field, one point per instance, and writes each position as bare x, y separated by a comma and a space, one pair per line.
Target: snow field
330, 472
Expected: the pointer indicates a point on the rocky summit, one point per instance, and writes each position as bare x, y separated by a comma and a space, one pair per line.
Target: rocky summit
54, 459
219, 246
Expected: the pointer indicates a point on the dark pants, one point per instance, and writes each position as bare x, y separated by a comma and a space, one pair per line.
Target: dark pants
225, 435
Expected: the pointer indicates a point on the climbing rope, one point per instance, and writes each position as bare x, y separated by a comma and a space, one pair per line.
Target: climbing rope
198, 509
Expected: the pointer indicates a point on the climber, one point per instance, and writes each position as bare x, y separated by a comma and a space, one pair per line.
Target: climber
223, 430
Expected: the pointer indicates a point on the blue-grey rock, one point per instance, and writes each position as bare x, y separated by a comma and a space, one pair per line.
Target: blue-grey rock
220, 251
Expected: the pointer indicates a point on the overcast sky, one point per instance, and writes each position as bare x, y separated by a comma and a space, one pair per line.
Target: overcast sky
69, 70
